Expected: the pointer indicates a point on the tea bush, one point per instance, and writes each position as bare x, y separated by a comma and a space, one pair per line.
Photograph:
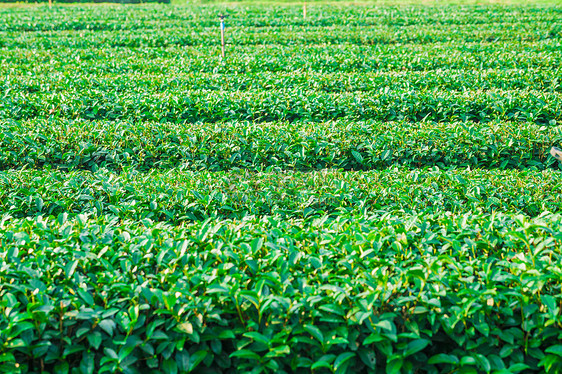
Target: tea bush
367, 189
422, 293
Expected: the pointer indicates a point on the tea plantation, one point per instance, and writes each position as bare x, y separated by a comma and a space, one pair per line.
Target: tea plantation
367, 189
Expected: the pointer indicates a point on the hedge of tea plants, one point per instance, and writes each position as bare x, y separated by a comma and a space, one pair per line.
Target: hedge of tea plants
428, 293
368, 189
255, 146
178, 195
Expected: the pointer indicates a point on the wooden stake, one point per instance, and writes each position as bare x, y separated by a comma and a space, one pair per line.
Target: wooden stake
50, 3
304, 10
223, 49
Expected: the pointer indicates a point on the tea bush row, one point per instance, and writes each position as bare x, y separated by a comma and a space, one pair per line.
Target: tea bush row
505, 80
179, 195
427, 294
179, 35
360, 145
338, 16
322, 57
286, 105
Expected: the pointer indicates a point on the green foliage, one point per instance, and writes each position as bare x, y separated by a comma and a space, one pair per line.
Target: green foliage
177, 195
425, 293
286, 105
343, 144
365, 190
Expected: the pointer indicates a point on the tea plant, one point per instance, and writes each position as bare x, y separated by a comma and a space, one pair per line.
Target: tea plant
177, 195
357, 145
421, 293
368, 189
